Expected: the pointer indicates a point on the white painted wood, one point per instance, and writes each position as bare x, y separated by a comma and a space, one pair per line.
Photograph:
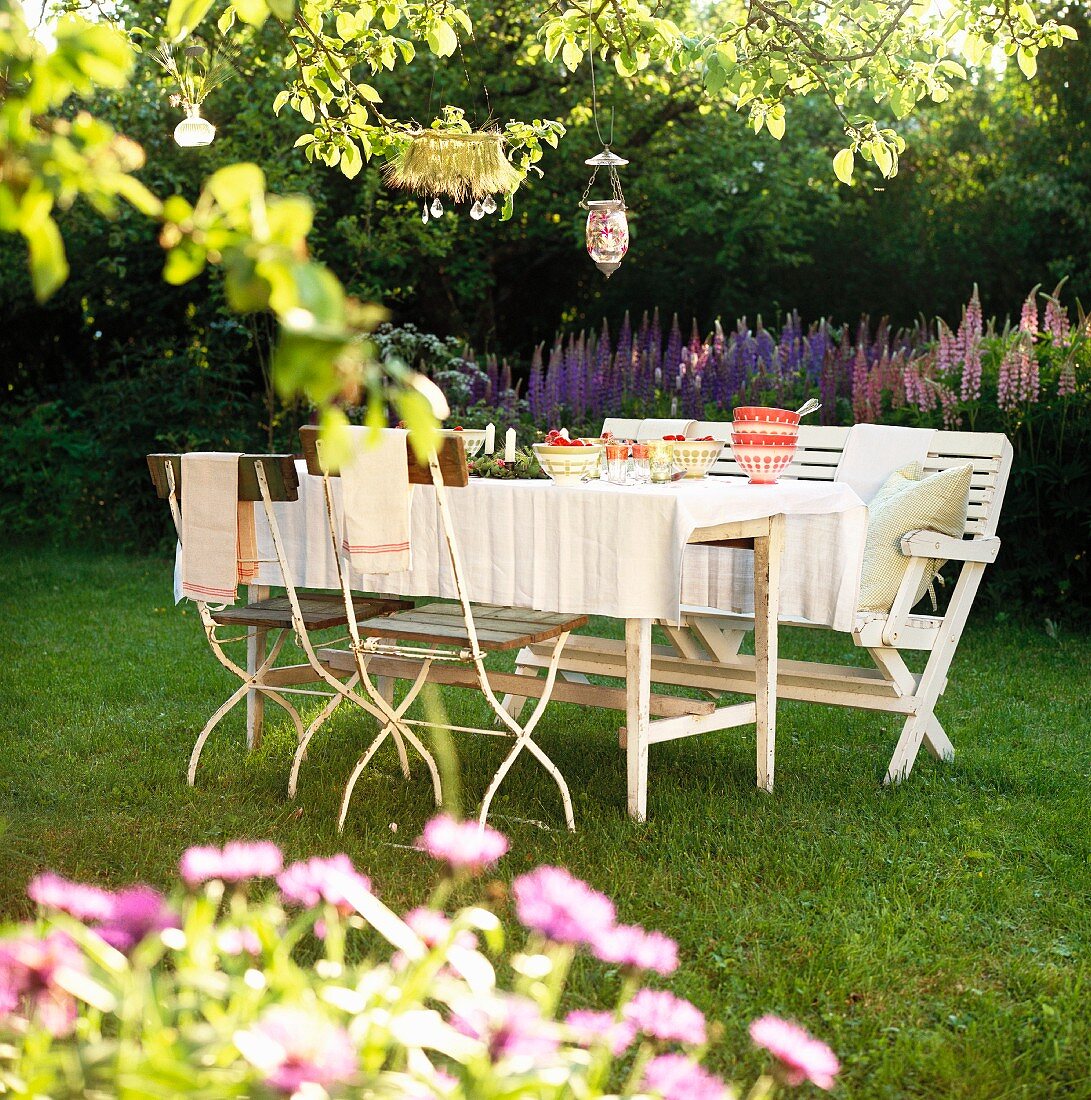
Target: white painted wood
690, 725
638, 654
767, 554
256, 644
931, 544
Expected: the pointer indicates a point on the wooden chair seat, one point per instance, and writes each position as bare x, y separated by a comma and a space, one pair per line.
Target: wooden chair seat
498, 628
320, 611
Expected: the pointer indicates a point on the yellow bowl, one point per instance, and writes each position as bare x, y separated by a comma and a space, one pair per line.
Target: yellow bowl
697, 455
569, 465
473, 439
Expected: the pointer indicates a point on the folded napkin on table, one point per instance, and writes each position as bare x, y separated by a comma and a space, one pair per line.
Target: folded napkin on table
375, 484
210, 526
874, 451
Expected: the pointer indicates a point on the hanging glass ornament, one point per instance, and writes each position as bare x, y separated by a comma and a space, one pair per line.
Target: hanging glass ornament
436, 209
607, 230
477, 212
195, 77
489, 205
194, 131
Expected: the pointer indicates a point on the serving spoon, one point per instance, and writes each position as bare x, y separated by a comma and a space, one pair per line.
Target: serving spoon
809, 406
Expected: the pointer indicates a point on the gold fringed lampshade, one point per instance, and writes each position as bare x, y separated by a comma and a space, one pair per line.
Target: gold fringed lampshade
461, 166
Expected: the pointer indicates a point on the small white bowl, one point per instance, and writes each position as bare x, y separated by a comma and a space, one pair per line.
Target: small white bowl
763, 465
569, 465
473, 439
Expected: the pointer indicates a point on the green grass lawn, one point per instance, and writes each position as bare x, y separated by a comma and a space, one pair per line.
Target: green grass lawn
938, 936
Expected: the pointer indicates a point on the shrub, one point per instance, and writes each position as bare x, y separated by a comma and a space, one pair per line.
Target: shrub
218, 991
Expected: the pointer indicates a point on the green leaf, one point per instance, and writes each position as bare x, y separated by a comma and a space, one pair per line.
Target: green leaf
48, 264
284, 10
351, 161
1028, 63
884, 159
442, 40
369, 93
572, 55
775, 126
253, 12
138, 196
346, 26
184, 262
183, 16
843, 165
237, 185
281, 99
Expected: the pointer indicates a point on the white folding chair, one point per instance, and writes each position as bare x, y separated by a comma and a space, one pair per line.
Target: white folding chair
268, 478
431, 641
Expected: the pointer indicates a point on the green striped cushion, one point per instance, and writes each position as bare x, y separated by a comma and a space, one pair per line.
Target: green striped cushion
908, 502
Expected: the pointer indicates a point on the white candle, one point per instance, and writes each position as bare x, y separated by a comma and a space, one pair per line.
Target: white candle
509, 445
490, 438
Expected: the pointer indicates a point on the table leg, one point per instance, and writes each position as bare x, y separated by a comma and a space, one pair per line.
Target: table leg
767, 551
255, 654
638, 681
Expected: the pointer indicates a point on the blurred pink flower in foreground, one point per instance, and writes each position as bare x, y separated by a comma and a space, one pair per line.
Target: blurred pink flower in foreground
135, 914
29, 967
465, 845
434, 928
295, 1048
236, 861
631, 945
313, 880
562, 907
662, 1015
77, 899
676, 1077
510, 1026
588, 1025
801, 1056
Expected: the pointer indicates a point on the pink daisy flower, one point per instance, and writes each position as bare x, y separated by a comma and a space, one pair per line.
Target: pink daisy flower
563, 908
588, 1026
662, 1015
77, 899
28, 980
800, 1056
464, 845
509, 1026
135, 914
296, 1048
314, 880
237, 861
631, 945
676, 1077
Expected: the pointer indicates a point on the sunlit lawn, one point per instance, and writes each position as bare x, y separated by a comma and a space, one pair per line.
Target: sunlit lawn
937, 935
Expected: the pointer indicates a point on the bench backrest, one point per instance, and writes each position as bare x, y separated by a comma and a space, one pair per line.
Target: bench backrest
451, 453
819, 452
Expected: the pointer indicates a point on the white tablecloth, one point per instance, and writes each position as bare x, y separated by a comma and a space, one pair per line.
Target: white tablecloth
597, 549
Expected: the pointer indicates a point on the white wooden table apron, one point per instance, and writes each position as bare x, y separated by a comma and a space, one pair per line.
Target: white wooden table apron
592, 549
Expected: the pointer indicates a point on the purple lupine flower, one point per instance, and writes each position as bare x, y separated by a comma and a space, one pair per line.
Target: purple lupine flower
462, 845
970, 339
1066, 380
827, 385
672, 357
676, 1077
718, 341
509, 1026
314, 880
237, 861
536, 387
801, 1057
632, 946
77, 899
662, 1015
135, 914
655, 337
562, 907
1057, 323
588, 1027
293, 1048
29, 990
764, 345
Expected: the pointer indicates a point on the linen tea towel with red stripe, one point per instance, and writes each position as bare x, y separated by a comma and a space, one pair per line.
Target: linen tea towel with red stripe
377, 498
210, 495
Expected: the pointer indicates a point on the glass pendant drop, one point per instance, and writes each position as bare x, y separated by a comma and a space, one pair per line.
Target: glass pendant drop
477, 212
489, 205
436, 208
424, 212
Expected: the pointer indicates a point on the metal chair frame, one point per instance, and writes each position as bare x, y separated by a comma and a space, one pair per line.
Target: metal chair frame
365, 649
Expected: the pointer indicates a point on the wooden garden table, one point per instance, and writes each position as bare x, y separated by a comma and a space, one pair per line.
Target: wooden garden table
591, 549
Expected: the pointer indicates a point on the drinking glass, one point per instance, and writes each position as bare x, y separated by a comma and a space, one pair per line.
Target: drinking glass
640, 463
661, 461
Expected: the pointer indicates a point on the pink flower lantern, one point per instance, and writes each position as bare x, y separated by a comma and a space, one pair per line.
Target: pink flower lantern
607, 225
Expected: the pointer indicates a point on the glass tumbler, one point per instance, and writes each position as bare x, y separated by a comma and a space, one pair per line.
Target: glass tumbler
617, 461
661, 461
640, 463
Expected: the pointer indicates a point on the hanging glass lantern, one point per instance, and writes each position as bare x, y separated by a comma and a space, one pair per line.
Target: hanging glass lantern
607, 225
194, 131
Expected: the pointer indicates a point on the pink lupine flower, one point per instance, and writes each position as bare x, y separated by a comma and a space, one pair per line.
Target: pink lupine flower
970, 340
948, 403
29, 967
662, 1015
631, 945
1066, 381
464, 845
588, 1026
509, 1026
800, 1056
135, 914
77, 899
295, 1048
1057, 324
237, 861
314, 880
859, 386
563, 908
1028, 318
1008, 380
676, 1077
